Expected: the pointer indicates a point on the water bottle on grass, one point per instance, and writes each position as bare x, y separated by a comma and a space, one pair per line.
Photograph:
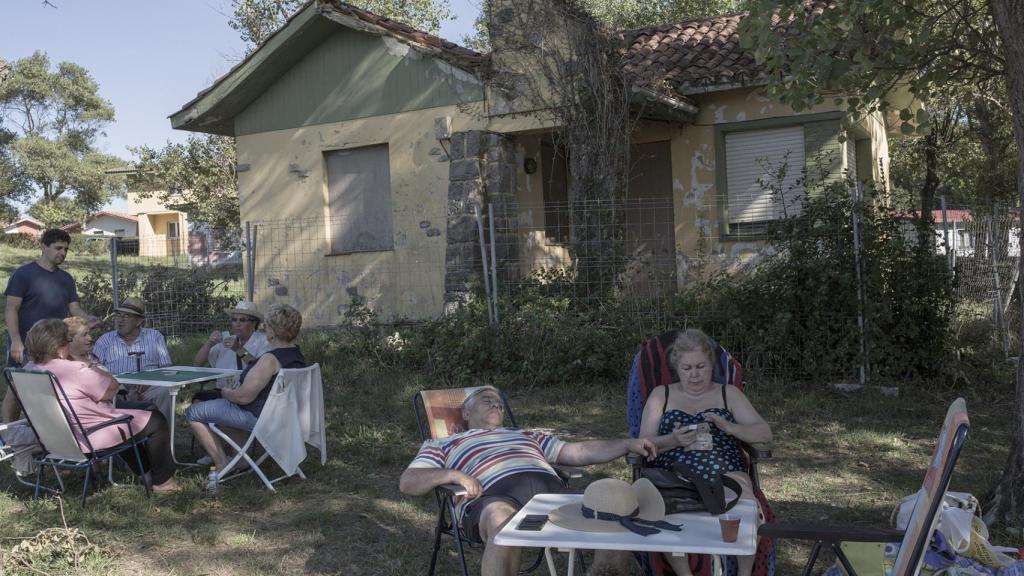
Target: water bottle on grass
212, 480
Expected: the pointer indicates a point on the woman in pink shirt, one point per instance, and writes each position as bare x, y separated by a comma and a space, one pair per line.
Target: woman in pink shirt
90, 389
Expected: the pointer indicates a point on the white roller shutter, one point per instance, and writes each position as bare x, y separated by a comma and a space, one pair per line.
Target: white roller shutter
851, 159
750, 155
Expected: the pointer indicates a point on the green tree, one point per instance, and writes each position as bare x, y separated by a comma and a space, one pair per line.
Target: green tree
859, 51
256, 20
57, 212
50, 121
197, 177
622, 15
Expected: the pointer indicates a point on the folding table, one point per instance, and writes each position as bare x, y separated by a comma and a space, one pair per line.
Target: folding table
700, 534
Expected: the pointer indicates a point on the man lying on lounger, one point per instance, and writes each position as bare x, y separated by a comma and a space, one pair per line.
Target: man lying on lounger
501, 469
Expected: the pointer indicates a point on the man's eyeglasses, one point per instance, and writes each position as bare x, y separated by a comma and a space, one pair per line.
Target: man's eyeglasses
125, 315
242, 319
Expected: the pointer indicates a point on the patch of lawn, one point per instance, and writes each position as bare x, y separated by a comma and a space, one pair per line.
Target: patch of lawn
837, 459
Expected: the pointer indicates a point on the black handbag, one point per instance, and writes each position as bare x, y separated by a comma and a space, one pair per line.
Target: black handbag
683, 490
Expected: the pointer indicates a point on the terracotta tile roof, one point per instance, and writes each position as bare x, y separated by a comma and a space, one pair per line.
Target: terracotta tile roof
690, 54
700, 53
121, 215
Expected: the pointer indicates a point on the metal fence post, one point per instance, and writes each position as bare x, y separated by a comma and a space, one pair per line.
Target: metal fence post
115, 294
861, 320
950, 251
248, 262
483, 260
252, 263
494, 263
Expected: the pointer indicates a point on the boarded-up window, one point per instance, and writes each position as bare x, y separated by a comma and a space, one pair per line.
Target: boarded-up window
759, 155
359, 197
555, 172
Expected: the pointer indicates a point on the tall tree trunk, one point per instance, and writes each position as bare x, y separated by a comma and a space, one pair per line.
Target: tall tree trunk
1005, 503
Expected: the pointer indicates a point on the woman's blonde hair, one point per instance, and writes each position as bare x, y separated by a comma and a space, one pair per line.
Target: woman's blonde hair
45, 338
284, 321
689, 340
75, 325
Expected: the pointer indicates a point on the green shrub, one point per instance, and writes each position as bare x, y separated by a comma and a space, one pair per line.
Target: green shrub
19, 240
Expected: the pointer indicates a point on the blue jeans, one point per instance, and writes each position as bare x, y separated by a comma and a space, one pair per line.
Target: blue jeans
222, 413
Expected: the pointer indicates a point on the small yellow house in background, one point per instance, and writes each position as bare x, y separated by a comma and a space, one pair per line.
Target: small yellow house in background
161, 231
365, 147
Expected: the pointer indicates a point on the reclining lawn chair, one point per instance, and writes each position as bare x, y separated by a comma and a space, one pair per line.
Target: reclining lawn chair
64, 440
651, 369
439, 415
915, 540
292, 417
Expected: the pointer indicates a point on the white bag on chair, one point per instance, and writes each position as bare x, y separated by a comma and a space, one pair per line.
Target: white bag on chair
954, 518
279, 429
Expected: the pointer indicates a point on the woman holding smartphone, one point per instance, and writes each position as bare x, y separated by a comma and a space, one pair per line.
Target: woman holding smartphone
699, 423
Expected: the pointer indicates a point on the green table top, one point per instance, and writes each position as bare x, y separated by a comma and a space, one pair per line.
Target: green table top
168, 375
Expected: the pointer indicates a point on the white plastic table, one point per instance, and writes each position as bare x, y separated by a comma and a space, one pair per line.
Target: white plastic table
700, 535
203, 374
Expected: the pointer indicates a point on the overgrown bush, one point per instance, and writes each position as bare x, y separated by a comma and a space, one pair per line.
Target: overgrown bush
19, 240
178, 300
81, 243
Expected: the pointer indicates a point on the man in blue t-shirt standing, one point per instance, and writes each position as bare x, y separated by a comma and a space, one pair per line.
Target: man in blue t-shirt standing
36, 291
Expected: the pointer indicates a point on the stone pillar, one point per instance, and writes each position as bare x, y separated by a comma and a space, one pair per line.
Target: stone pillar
481, 172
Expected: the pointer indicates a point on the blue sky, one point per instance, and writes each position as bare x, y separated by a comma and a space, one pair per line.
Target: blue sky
148, 56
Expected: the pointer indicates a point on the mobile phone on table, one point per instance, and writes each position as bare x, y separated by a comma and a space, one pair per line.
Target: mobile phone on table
532, 522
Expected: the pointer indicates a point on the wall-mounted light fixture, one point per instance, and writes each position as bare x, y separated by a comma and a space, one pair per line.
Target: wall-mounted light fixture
443, 132
529, 165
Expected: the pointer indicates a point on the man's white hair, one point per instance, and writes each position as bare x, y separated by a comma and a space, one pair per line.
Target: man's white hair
476, 393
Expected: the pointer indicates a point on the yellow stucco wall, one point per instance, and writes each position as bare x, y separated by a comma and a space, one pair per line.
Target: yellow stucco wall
283, 190
153, 217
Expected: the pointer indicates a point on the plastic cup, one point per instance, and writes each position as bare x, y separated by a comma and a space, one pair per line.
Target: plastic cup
730, 525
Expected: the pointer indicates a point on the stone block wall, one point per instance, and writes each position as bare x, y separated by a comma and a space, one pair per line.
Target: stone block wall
481, 173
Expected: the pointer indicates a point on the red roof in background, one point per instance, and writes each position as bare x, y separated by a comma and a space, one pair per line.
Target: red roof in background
121, 215
959, 215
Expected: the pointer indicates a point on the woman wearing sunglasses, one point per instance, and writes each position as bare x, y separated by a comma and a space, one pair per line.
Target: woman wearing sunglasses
241, 346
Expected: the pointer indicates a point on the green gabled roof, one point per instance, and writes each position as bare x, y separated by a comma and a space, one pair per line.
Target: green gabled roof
214, 109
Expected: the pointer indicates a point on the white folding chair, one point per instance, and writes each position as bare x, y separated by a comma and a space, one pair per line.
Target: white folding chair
292, 417
53, 419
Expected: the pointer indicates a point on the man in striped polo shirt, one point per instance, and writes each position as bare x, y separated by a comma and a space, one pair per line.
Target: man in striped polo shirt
501, 469
131, 347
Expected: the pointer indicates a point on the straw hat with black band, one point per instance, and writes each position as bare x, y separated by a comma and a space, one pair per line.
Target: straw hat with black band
612, 505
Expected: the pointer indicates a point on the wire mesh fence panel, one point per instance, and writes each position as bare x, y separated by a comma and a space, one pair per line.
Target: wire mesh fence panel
303, 262
983, 248
185, 282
